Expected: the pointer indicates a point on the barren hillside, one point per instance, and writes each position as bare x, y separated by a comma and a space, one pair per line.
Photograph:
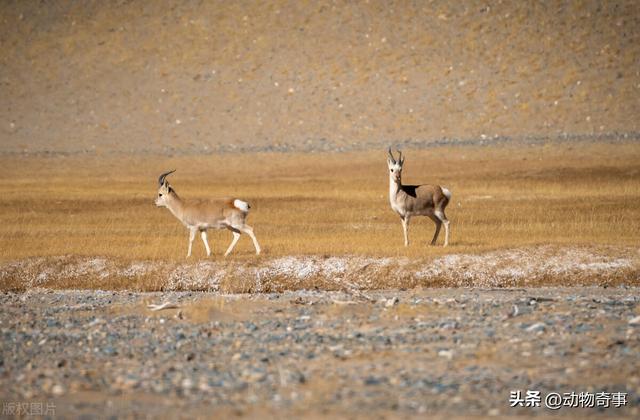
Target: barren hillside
189, 76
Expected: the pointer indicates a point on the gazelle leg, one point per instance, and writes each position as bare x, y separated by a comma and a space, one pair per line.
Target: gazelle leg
203, 235
446, 232
249, 231
405, 228
192, 235
443, 218
236, 236
438, 223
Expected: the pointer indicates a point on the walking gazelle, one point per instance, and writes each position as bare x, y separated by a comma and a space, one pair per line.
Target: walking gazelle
224, 213
417, 200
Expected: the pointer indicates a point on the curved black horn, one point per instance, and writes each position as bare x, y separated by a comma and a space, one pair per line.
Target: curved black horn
399, 155
391, 155
163, 176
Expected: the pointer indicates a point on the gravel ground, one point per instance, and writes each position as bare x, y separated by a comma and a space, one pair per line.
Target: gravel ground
453, 352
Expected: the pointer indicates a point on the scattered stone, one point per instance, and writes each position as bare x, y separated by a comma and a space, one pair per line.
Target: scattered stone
537, 327
267, 351
187, 383
392, 301
447, 354
57, 390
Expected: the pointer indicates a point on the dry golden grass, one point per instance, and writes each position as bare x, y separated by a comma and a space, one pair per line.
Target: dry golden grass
326, 204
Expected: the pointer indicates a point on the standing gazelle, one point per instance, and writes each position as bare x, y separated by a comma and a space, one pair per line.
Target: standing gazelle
224, 213
417, 200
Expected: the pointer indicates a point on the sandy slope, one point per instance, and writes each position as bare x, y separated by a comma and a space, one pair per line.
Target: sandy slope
187, 76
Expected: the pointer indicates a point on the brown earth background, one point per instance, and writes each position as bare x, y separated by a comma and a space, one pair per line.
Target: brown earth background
199, 76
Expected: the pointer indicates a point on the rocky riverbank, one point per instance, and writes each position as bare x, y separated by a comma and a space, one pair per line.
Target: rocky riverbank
423, 351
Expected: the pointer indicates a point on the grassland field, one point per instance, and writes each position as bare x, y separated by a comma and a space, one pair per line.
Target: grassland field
334, 204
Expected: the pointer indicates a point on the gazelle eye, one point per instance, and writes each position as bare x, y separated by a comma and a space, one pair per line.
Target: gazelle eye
160, 195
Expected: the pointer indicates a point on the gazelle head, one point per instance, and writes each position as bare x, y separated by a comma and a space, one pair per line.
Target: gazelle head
164, 190
395, 166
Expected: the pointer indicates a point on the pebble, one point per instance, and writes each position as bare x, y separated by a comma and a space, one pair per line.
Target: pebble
187, 383
537, 327
392, 301
57, 390
447, 354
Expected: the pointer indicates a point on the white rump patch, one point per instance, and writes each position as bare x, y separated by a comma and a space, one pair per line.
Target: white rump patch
446, 192
241, 205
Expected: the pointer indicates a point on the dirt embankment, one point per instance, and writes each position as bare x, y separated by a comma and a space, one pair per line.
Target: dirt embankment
184, 76
526, 267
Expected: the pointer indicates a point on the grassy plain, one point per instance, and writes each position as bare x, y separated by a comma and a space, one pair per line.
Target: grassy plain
323, 204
